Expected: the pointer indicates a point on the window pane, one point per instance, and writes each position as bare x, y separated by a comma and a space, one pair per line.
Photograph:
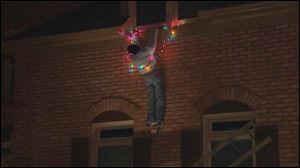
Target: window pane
124, 132
115, 156
229, 154
231, 125
149, 12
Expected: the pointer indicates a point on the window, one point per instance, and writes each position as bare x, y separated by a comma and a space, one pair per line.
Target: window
229, 153
112, 144
149, 12
228, 125
217, 128
90, 15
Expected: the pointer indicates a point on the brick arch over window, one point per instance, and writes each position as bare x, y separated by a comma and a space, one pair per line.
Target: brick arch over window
112, 104
229, 93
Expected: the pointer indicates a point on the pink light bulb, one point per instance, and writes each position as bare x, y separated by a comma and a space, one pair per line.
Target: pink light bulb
151, 58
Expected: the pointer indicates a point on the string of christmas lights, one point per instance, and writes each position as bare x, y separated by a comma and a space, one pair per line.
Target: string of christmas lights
171, 37
133, 35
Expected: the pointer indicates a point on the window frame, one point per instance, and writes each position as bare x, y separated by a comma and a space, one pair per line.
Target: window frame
209, 135
97, 142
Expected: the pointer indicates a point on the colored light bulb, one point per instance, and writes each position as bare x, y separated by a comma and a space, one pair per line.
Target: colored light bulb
120, 31
141, 66
148, 68
151, 58
165, 27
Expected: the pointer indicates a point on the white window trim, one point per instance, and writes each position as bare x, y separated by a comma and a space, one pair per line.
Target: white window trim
208, 136
96, 141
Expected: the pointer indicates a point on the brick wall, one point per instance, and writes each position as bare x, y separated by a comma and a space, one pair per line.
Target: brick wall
57, 88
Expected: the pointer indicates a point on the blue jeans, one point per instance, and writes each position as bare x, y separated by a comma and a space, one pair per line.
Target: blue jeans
156, 96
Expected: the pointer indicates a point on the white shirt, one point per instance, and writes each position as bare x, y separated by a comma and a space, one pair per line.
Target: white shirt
144, 60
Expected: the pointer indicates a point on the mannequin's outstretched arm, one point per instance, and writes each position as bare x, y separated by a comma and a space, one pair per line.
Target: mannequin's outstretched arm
152, 42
